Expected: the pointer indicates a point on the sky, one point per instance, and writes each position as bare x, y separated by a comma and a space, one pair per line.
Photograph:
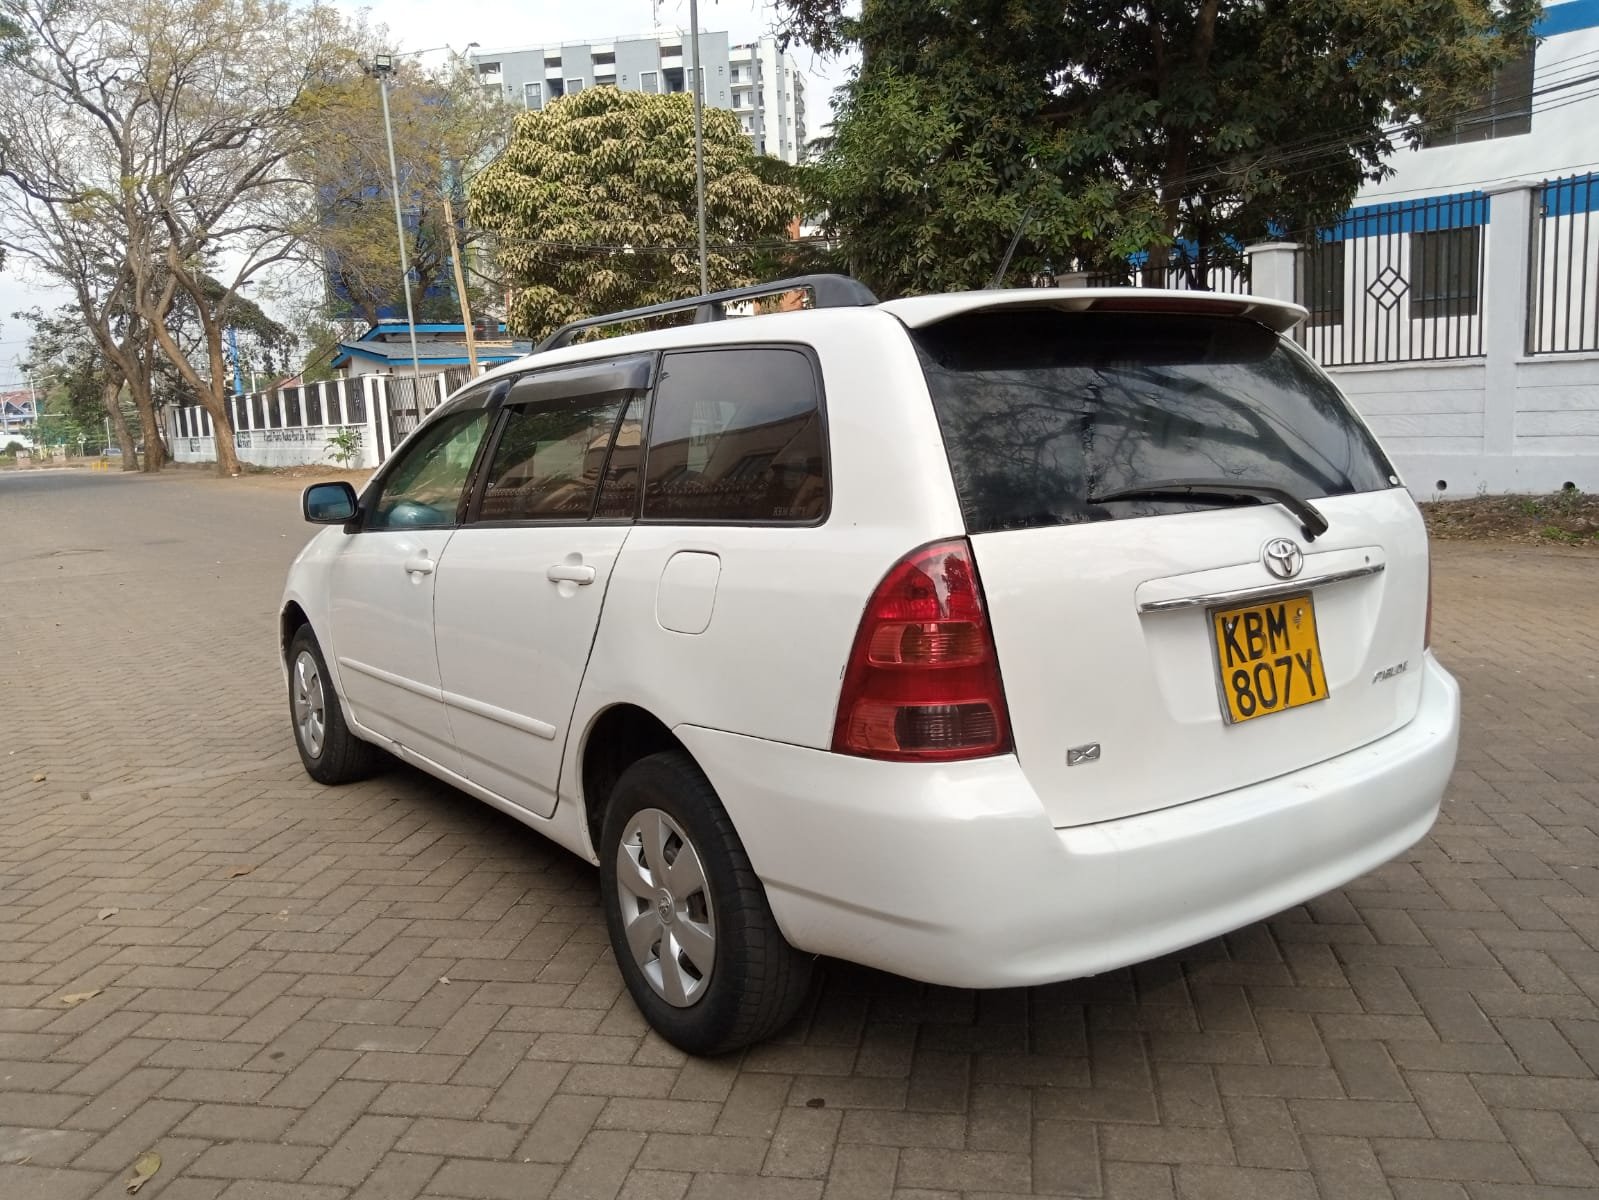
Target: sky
494, 24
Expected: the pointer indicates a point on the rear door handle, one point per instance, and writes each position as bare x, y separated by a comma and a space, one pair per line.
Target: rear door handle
419, 564
569, 573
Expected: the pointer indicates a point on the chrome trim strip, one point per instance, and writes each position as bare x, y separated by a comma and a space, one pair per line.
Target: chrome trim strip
1265, 591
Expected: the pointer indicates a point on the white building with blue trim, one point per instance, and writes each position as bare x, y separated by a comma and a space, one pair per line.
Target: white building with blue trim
385, 348
1457, 302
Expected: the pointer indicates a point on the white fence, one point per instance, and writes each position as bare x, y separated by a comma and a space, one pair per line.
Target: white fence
293, 427
1465, 328
1481, 372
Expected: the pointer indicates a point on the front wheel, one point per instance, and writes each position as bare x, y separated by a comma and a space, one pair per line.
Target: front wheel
330, 752
692, 932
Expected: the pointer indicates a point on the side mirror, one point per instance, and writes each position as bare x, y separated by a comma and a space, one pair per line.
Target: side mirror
328, 503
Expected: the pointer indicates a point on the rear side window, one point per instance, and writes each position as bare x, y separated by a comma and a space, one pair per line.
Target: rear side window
736, 436
547, 463
1042, 411
619, 488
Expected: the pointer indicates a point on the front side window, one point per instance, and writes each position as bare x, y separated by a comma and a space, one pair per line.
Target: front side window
650, 82
736, 436
423, 489
533, 95
547, 464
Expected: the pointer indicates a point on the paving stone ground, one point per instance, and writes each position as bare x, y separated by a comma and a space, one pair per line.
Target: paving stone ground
390, 991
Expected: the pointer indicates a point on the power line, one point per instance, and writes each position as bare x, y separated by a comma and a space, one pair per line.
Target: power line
1333, 146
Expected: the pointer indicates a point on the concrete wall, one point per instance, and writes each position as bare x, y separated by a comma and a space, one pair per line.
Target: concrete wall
277, 448
376, 407
1435, 420
1504, 420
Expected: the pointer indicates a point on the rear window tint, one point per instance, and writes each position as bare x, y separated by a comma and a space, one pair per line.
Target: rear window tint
736, 436
1042, 410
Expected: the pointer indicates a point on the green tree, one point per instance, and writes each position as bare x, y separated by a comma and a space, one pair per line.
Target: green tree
445, 124
78, 387
1124, 127
592, 210
145, 145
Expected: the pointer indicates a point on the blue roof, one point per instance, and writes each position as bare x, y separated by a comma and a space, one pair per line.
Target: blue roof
433, 354
383, 328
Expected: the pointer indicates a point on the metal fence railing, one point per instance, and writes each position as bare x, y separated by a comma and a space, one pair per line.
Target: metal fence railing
1142, 271
1563, 267
409, 398
1396, 282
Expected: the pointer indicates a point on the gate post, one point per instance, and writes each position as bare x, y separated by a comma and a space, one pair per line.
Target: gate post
1504, 310
1271, 270
377, 415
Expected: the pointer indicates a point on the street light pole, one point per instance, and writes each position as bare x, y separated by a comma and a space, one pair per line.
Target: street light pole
699, 140
382, 66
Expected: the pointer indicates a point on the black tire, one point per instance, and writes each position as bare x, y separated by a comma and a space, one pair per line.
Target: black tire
342, 757
758, 981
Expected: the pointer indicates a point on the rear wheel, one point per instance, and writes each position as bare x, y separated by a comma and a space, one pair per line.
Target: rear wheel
693, 934
330, 752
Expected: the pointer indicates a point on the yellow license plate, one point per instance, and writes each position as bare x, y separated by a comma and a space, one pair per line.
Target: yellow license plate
1268, 657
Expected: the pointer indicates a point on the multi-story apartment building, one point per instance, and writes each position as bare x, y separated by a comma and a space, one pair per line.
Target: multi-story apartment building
757, 81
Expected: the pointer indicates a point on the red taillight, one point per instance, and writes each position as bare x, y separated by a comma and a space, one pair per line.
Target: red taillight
922, 684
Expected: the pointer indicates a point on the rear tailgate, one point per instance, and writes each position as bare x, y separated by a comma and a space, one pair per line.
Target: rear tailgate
1152, 652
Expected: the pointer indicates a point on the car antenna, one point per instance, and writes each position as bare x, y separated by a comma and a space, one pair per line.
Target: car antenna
1004, 263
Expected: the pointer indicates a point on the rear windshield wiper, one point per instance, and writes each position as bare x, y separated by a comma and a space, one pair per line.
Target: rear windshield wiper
1310, 519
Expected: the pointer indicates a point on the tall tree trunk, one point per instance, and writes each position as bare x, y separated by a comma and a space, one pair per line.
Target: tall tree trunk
210, 392
154, 448
141, 386
149, 426
222, 423
111, 398
215, 397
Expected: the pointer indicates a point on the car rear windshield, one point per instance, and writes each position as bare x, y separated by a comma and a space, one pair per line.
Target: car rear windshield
1042, 411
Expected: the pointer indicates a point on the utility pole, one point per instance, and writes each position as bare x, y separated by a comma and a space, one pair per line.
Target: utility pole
699, 140
383, 67
460, 289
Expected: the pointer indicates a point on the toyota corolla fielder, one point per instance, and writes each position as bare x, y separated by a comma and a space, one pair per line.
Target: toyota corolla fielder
990, 639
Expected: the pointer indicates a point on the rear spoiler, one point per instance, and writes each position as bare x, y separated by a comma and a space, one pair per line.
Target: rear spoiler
920, 311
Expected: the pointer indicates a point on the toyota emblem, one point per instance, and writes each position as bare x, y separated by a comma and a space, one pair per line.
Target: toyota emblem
1283, 558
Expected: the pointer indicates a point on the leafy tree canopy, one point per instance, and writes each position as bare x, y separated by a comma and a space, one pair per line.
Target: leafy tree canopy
592, 206
444, 126
1127, 127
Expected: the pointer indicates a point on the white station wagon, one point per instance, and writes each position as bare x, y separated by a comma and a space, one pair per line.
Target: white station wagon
990, 639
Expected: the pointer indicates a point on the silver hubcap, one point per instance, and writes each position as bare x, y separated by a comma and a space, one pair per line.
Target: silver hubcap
310, 707
666, 907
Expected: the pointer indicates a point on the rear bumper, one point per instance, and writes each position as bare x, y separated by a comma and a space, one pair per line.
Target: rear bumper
953, 874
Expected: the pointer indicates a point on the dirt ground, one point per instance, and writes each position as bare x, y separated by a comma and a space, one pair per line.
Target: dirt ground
1563, 518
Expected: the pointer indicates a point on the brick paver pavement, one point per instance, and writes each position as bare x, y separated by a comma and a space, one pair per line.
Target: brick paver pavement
390, 991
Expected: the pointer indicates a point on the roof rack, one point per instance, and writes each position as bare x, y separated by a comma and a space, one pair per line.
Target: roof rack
829, 291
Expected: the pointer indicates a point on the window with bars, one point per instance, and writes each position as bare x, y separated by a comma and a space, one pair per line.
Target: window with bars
1321, 282
1504, 110
1445, 273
